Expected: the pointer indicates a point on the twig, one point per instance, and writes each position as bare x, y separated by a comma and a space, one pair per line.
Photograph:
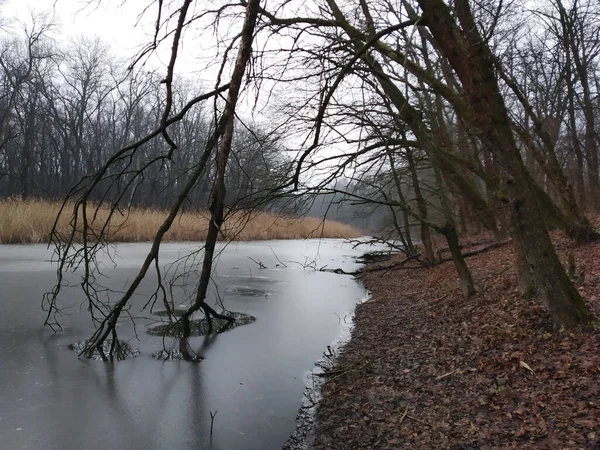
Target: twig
467, 245
339, 271
212, 420
334, 372
438, 301
399, 264
274, 254
481, 250
260, 265
425, 265
403, 416
344, 372
418, 420
446, 375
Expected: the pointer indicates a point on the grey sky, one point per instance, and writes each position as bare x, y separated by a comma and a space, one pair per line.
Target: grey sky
116, 22
113, 23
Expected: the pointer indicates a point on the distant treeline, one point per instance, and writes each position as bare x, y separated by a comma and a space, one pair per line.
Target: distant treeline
64, 112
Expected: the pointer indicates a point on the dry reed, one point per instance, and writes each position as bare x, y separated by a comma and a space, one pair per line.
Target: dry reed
30, 221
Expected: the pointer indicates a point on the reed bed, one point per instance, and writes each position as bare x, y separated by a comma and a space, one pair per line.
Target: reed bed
30, 221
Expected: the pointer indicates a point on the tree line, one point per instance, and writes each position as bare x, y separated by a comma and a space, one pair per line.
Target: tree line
65, 110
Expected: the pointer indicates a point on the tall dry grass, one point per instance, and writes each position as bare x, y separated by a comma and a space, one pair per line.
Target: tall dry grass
30, 221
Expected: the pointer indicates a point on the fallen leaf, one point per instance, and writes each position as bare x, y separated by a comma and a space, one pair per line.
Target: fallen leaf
525, 365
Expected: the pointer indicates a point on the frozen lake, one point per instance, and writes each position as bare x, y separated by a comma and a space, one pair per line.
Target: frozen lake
252, 375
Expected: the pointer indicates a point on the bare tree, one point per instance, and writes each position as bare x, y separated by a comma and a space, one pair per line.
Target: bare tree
467, 82
122, 163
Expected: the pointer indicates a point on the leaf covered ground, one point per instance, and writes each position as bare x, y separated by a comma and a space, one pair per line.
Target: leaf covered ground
427, 369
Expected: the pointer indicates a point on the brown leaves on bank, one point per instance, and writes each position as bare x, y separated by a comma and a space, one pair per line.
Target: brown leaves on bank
435, 371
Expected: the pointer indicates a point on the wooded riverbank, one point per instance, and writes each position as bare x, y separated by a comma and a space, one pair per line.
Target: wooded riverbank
427, 369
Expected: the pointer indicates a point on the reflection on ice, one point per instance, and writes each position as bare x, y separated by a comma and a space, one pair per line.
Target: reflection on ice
122, 350
200, 327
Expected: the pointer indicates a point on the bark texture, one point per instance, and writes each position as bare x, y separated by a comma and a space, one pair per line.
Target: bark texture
471, 59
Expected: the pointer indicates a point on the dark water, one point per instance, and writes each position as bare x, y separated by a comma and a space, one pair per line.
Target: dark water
252, 375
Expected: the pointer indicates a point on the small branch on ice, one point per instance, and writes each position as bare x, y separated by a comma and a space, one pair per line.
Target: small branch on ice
212, 420
260, 264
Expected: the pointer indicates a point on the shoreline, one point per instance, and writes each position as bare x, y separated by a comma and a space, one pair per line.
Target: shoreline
426, 369
304, 435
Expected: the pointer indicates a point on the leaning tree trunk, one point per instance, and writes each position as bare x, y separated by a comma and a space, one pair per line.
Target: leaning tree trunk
473, 62
422, 208
525, 276
410, 246
220, 139
464, 274
448, 230
405, 236
224, 133
441, 138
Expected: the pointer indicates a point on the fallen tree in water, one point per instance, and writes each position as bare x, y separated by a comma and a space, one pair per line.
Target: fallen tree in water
375, 260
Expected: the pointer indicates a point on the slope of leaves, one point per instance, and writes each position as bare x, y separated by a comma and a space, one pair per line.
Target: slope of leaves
431, 370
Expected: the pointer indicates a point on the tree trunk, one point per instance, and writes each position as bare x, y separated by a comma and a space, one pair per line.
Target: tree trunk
525, 276
405, 236
570, 22
408, 234
466, 280
224, 133
422, 208
572, 130
472, 61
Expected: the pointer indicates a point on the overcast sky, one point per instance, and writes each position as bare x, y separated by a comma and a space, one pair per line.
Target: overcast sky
115, 21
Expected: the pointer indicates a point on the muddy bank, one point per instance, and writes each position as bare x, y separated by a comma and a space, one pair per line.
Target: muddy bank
426, 369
